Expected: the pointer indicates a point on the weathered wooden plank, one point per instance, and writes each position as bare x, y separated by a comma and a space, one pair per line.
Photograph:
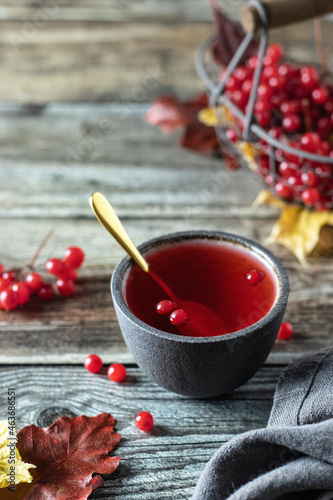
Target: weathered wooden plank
66, 330
178, 191
51, 152
164, 463
99, 61
102, 61
175, 11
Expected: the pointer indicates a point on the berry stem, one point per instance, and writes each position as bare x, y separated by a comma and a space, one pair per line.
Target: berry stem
307, 115
36, 254
318, 37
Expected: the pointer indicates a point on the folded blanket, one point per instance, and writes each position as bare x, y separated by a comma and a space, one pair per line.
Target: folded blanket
292, 458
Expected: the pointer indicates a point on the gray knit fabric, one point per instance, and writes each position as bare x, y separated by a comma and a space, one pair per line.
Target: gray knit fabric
292, 458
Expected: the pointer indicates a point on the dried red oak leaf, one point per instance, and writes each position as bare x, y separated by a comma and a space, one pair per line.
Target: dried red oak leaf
228, 36
169, 113
199, 138
67, 454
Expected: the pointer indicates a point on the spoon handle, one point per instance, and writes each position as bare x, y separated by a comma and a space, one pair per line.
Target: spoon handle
108, 218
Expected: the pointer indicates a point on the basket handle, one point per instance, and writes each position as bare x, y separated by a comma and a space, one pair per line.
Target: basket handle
283, 12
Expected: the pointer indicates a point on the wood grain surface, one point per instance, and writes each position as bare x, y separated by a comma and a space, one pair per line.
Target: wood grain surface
125, 51
74, 87
51, 164
164, 463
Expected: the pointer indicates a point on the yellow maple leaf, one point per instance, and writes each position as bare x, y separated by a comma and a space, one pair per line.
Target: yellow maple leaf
267, 198
211, 117
207, 116
298, 228
248, 151
12, 468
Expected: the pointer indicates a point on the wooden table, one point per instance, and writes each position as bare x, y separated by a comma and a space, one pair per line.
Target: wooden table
74, 97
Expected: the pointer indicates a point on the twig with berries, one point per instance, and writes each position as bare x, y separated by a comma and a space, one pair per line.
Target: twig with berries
17, 289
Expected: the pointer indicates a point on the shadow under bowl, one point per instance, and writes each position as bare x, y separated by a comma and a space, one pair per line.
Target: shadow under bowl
201, 367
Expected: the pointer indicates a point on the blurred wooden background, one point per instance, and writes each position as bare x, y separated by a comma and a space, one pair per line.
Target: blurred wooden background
77, 77
107, 50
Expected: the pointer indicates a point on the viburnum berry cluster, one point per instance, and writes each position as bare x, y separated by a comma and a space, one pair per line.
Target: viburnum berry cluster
17, 288
295, 106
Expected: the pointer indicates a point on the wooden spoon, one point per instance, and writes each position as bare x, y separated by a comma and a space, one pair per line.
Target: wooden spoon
202, 321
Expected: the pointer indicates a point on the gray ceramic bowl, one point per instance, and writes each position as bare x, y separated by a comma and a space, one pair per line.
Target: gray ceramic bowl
201, 367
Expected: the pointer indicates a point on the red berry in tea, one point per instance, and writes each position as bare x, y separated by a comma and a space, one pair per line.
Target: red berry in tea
117, 372
165, 307
93, 363
144, 421
254, 276
179, 317
209, 272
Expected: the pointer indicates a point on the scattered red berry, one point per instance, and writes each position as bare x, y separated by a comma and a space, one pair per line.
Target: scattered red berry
178, 317
22, 291
117, 372
74, 257
254, 276
54, 266
144, 421
65, 287
93, 363
286, 331
9, 299
165, 307
46, 292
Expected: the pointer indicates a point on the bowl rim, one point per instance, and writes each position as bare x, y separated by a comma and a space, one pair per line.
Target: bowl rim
255, 248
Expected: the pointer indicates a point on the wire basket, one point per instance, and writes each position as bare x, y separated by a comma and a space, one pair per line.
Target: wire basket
296, 175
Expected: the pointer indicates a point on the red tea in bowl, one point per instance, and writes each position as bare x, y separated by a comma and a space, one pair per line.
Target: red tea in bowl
227, 278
